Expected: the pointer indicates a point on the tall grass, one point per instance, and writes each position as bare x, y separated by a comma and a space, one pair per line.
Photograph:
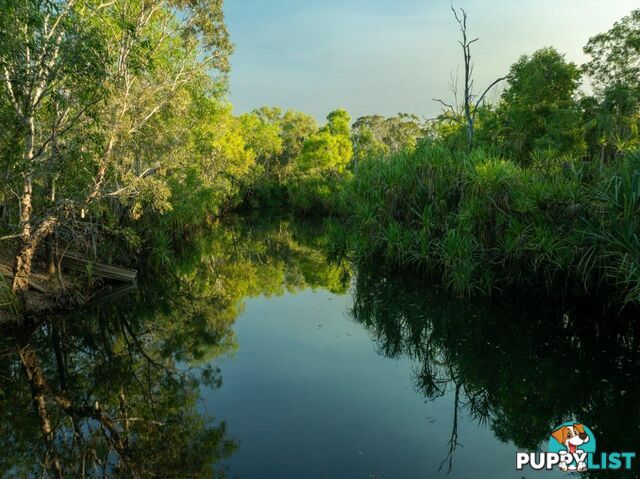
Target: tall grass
482, 224
616, 231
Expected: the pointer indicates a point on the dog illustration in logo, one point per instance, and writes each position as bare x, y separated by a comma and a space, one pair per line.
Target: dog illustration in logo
571, 437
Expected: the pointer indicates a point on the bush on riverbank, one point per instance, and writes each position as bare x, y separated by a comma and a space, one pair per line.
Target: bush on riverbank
485, 224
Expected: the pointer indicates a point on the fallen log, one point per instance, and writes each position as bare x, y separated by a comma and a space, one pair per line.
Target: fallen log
77, 263
8, 272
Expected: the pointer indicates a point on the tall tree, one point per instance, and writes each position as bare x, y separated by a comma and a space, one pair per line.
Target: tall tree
538, 109
613, 119
375, 135
615, 55
470, 103
87, 82
52, 67
296, 128
330, 150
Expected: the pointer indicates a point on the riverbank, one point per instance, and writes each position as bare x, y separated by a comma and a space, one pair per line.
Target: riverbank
483, 225
43, 294
70, 286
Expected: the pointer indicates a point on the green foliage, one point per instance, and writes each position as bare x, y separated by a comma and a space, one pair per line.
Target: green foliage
538, 111
277, 139
547, 200
366, 145
9, 304
478, 221
261, 134
324, 153
329, 151
109, 107
296, 127
376, 135
615, 55
145, 150
616, 228
613, 116
322, 166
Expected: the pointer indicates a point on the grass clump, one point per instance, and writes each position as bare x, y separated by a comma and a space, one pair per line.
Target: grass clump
483, 224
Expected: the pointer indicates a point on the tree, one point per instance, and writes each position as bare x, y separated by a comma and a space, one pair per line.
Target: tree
296, 127
538, 110
209, 168
366, 144
52, 69
330, 150
614, 69
277, 139
88, 84
615, 55
376, 135
262, 135
319, 171
470, 104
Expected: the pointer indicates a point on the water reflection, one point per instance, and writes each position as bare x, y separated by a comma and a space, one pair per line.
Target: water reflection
112, 391
102, 393
516, 366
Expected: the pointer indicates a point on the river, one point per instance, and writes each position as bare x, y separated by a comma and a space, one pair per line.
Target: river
267, 353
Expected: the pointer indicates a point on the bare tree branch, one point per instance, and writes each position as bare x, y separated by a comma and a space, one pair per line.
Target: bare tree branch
494, 83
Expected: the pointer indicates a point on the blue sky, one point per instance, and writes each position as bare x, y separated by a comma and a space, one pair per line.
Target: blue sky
390, 56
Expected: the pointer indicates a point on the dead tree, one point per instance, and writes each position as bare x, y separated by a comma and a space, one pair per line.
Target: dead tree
470, 104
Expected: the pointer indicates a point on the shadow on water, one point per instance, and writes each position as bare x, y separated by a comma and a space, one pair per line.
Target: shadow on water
112, 391
517, 366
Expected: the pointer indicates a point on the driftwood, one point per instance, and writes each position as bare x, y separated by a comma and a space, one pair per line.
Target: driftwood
77, 263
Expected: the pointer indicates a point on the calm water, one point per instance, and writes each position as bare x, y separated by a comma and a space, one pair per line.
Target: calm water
309, 394
266, 354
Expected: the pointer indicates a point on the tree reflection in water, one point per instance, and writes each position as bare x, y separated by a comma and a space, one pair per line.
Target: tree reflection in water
517, 366
105, 400
113, 390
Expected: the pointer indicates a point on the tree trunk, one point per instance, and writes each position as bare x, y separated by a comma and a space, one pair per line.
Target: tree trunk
49, 240
22, 267
50, 253
29, 237
22, 262
38, 385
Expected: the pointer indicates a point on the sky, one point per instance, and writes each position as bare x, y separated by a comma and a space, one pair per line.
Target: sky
391, 56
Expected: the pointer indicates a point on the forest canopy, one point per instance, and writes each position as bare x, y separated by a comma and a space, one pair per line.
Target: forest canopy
119, 139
